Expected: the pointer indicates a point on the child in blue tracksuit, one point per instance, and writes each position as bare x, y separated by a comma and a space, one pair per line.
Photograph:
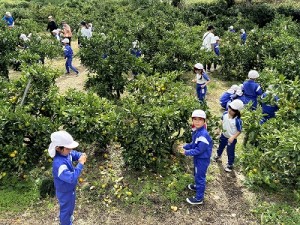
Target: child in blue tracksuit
202, 80
136, 52
217, 51
68, 52
243, 36
232, 127
200, 148
227, 95
251, 89
269, 106
64, 173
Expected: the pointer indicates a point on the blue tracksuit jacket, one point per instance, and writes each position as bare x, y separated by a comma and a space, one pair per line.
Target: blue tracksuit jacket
68, 52
200, 148
224, 99
65, 181
217, 49
243, 38
268, 108
251, 91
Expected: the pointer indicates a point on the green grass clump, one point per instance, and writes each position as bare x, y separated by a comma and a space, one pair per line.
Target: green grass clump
17, 195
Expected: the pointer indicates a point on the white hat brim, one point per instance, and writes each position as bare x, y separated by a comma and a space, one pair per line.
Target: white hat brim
52, 146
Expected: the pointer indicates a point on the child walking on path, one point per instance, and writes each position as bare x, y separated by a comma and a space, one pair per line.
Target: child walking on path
232, 127
64, 173
200, 148
68, 52
201, 80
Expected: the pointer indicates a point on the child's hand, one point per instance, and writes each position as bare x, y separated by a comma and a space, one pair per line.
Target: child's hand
194, 80
82, 158
230, 140
181, 151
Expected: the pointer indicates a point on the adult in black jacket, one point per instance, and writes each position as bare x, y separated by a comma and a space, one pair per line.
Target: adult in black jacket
51, 24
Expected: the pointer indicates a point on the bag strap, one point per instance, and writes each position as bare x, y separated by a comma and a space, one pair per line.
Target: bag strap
205, 36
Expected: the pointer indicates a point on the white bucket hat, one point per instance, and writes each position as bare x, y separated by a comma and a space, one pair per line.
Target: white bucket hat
198, 66
233, 89
135, 44
66, 40
61, 139
199, 113
24, 37
253, 74
236, 104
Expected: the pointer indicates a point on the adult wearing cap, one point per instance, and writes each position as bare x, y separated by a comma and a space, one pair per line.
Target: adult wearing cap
201, 80
251, 89
64, 173
231, 129
9, 20
208, 42
68, 52
51, 25
200, 148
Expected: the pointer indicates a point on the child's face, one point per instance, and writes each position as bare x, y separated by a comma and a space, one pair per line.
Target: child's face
65, 151
198, 122
231, 112
198, 71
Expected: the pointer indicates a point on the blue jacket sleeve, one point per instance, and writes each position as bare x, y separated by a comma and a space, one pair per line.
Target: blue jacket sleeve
75, 155
69, 176
187, 146
238, 124
259, 90
206, 76
199, 149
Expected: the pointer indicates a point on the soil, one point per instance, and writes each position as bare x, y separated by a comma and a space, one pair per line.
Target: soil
227, 200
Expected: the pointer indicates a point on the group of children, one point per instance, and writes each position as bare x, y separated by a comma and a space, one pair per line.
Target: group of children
233, 101
250, 91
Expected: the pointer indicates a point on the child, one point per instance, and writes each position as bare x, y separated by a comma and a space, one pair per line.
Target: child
232, 127
231, 29
202, 80
68, 52
226, 96
200, 148
217, 51
269, 106
55, 34
136, 52
64, 173
251, 89
9, 20
243, 36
